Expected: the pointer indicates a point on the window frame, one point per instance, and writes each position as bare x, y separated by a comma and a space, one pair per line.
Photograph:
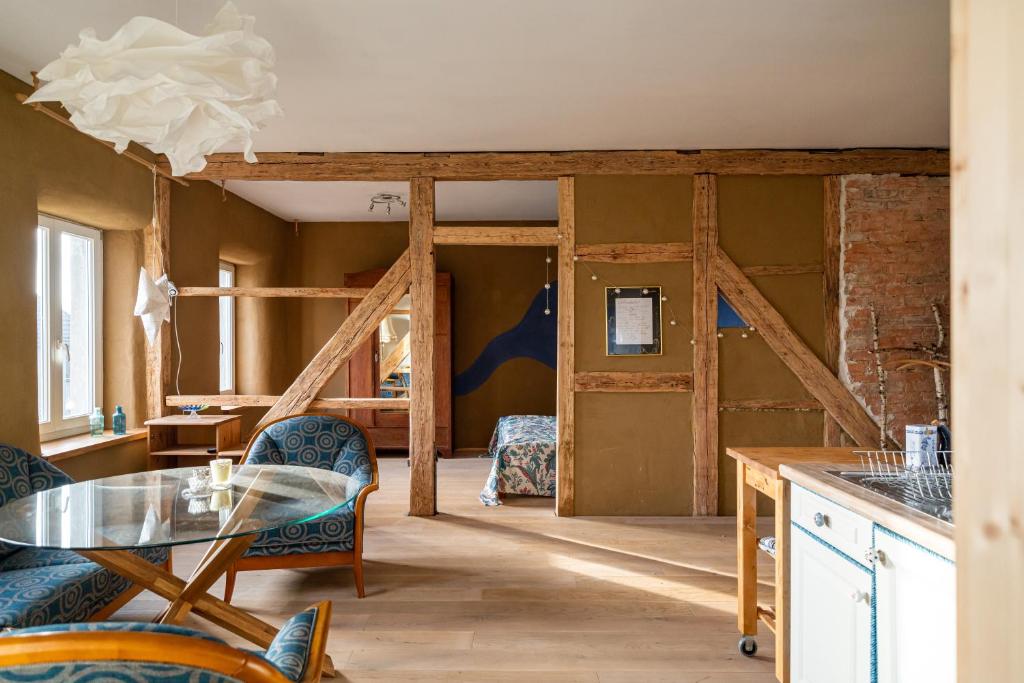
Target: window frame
230, 352
57, 426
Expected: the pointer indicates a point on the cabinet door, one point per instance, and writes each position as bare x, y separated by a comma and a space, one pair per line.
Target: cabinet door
916, 602
830, 614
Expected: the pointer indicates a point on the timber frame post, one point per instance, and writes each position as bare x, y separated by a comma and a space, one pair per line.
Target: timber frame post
705, 347
565, 488
156, 259
422, 452
830, 293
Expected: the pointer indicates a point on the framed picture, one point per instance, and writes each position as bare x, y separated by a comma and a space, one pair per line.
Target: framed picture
633, 321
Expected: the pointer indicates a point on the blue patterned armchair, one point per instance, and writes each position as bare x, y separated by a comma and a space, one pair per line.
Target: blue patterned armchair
158, 653
41, 586
329, 442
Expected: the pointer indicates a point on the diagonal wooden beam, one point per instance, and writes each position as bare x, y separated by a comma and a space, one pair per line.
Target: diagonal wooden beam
780, 337
705, 346
360, 323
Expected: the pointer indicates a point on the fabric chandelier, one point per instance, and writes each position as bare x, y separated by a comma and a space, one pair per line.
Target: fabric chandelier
173, 92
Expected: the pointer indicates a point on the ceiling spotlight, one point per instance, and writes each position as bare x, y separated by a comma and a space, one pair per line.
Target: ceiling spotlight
385, 199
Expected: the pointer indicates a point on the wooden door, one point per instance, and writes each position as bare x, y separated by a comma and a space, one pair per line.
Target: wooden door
915, 593
390, 428
829, 612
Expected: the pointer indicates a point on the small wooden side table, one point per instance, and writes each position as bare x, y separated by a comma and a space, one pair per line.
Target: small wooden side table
185, 440
757, 469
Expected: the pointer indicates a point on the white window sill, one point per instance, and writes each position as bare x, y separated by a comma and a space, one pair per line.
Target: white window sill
69, 447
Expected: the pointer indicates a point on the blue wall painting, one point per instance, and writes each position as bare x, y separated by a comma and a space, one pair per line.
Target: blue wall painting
536, 336
727, 315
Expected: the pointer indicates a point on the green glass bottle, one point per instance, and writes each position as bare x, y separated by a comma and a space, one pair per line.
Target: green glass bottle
96, 422
119, 421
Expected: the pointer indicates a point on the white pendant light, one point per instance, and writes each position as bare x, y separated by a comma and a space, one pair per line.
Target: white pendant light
175, 93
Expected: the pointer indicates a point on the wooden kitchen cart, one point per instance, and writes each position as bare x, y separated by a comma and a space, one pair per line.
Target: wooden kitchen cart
757, 469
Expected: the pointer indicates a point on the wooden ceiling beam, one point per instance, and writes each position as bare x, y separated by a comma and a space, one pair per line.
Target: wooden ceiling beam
399, 166
270, 292
496, 235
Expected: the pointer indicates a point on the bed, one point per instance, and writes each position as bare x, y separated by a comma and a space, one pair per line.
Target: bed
523, 458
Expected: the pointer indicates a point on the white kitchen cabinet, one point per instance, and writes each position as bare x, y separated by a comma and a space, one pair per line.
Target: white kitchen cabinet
830, 614
915, 592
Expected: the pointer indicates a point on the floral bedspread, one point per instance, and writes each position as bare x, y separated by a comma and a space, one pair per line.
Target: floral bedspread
523, 452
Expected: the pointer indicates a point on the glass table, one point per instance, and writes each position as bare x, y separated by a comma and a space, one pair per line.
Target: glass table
103, 520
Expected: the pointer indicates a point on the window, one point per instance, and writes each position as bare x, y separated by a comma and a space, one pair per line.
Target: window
69, 308
226, 278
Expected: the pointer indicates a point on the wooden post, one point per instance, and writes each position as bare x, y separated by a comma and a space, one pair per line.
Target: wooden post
359, 324
566, 361
782, 566
746, 553
988, 322
830, 293
422, 454
156, 260
705, 347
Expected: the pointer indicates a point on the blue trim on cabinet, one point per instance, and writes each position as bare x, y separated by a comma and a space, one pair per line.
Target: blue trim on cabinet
834, 549
904, 539
874, 613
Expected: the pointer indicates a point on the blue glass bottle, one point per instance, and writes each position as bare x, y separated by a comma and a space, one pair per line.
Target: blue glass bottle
120, 421
96, 422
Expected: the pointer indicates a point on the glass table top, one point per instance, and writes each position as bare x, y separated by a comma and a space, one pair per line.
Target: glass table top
158, 508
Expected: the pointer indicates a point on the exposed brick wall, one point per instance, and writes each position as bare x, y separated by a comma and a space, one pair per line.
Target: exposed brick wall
895, 238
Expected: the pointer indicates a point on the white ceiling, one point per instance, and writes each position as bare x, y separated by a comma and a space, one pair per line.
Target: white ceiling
469, 75
349, 201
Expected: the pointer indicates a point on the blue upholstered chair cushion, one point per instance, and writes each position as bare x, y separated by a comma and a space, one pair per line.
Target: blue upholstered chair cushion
323, 441
121, 672
22, 474
41, 586
37, 587
290, 649
288, 653
106, 670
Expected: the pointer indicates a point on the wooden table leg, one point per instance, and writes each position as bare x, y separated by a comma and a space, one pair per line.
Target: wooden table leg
782, 580
168, 586
206, 574
746, 553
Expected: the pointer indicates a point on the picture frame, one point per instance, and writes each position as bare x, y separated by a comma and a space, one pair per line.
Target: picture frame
633, 321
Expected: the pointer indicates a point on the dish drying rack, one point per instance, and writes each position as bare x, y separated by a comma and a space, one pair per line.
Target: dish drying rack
894, 470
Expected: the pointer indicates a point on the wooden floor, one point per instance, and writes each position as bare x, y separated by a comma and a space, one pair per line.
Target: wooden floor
514, 593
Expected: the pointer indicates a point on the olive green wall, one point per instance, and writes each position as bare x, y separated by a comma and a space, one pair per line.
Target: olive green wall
47, 167
769, 220
634, 452
491, 289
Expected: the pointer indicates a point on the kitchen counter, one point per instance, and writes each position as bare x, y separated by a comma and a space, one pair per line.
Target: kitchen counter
925, 530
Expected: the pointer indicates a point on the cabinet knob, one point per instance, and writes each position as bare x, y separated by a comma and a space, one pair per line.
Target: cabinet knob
874, 556
820, 519
860, 596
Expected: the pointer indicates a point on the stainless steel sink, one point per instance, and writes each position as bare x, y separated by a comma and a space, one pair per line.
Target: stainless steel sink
930, 493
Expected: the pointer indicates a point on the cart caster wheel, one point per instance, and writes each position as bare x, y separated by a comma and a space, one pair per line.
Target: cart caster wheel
747, 646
